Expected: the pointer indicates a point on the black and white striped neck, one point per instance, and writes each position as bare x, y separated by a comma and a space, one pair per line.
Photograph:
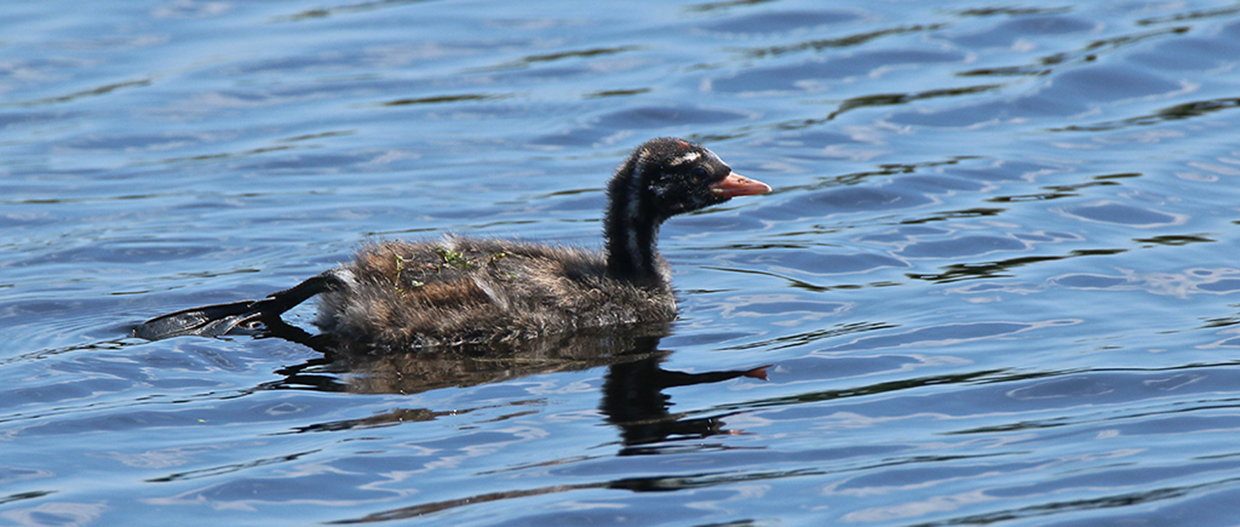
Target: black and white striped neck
632, 224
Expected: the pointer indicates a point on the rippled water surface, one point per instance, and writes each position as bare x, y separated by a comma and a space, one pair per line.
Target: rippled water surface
997, 282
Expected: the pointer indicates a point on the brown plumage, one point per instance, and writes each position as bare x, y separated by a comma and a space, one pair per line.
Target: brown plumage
463, 290
455, 291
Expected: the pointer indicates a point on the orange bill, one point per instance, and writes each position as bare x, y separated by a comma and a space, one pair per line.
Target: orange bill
737, 185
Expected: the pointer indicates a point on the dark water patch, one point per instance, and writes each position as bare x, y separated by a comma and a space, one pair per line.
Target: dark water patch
887, 169
723, 6
219, 156
1175, 240
1206, 504
954, 214
383, 420
440, 99
1171, 113
867, 101
1001, 268
1068, 60
1124, 175
1006, 71
795, 282
530, 60
317, 135
32, 494
616, 93
1189, 15
1098, 48
1044, 196
226, 469
1220, 322
805, 407
86, 93
1013, 11
1055, 192
853, 40
356, 7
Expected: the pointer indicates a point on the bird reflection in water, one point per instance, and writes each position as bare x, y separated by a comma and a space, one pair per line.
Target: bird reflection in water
633, 396
634, 401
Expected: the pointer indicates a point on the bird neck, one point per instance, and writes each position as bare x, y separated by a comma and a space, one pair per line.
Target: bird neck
632, 228
631, 250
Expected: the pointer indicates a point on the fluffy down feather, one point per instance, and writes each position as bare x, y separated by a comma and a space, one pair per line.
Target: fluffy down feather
465, 290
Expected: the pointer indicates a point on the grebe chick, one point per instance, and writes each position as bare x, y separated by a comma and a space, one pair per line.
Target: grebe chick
458, 290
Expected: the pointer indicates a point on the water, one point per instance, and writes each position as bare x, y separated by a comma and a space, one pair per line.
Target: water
996, 283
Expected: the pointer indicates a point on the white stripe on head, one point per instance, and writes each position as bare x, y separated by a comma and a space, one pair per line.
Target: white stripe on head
687, 158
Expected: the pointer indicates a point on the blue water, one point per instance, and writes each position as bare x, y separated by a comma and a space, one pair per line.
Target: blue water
996, 282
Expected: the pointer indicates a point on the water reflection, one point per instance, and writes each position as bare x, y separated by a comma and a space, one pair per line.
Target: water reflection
633, 396
634, 401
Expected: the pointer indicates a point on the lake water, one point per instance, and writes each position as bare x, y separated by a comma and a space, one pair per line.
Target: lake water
997, 281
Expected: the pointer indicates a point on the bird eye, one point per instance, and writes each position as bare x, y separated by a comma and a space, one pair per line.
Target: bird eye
699, 172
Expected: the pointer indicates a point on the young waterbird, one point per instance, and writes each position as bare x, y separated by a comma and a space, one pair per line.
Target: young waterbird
458, 290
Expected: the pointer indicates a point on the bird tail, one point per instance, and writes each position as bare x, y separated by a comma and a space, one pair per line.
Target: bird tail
222, 319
